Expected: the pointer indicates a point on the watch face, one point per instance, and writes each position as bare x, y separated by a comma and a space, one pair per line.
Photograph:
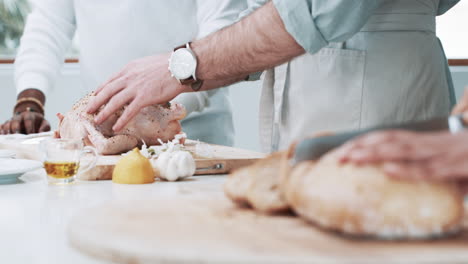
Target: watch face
183, 64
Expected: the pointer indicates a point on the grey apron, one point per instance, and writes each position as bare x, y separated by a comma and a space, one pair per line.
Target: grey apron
393, 70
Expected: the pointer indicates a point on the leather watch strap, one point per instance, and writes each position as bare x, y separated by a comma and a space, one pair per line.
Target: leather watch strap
188, 81
197, 85
191, 81
181, 46
194, 84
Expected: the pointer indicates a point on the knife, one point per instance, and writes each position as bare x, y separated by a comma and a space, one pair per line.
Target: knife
314, 148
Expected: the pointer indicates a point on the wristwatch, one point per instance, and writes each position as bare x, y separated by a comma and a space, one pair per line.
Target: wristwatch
183, 65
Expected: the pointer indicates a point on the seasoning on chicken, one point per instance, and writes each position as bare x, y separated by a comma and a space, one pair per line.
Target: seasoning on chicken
152, 123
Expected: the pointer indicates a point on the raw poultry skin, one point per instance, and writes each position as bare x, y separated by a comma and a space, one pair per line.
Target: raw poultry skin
152, 123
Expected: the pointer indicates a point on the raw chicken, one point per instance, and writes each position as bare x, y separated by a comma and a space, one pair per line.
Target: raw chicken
152, 123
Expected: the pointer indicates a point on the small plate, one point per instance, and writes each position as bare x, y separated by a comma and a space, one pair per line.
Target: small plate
11, 169
24, 137
7, 154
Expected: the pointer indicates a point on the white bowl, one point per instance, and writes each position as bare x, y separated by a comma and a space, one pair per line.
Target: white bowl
7, 154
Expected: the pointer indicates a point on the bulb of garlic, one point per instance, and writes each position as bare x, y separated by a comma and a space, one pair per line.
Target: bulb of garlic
173, 166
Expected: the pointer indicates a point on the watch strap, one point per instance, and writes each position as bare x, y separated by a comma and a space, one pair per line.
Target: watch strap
196, 86
182, 46
188, 81
194, 83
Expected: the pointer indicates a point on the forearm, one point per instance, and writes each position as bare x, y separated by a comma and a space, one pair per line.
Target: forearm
46, 38
258, 42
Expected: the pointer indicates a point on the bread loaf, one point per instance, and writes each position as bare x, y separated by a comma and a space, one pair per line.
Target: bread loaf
350, 199
363, 201
258, 185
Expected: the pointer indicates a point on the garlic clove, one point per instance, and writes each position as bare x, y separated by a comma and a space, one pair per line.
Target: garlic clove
176, 165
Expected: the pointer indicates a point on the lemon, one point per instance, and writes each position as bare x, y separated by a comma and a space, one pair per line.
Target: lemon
133, 168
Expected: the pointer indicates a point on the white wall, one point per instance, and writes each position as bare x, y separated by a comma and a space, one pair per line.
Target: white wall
451, 29
244, 97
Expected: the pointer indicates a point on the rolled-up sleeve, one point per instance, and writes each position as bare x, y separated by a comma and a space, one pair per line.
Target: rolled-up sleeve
252, 6
446, 5
315, 23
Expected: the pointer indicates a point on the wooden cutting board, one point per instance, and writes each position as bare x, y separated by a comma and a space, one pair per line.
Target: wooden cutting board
222, 160
215, 231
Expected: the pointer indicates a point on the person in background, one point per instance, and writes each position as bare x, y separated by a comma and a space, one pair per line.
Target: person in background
333, 65
113, 33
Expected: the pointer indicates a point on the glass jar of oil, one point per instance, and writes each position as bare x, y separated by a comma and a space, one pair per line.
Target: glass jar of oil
62, 159
61, 170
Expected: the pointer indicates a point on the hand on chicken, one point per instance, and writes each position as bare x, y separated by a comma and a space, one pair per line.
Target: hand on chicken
150, 124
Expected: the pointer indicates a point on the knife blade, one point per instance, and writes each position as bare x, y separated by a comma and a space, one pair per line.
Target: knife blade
314, 148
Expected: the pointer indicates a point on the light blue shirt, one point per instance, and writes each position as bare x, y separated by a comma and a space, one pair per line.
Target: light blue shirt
316, 23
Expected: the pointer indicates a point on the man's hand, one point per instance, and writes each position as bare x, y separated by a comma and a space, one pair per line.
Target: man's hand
25, 123
141, 83
433, 156
224, 57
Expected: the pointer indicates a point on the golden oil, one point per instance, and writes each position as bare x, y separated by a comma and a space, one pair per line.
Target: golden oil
61, 170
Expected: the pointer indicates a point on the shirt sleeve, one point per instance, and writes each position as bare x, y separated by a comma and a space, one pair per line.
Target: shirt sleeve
212, 15
446, 5
252, 6
47, 36
194, 102
315, 23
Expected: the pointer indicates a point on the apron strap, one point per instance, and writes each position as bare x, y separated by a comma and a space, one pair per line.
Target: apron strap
400, 22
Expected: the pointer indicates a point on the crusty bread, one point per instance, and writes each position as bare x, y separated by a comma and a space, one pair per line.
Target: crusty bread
363, 201
287, 178
264, 193
262, 184
286, 166
237, 185
358, 201
258, 185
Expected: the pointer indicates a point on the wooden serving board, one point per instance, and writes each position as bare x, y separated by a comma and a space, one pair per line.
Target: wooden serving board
223, 159
213, 230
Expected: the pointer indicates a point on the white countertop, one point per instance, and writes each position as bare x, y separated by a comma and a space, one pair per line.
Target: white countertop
34, 216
